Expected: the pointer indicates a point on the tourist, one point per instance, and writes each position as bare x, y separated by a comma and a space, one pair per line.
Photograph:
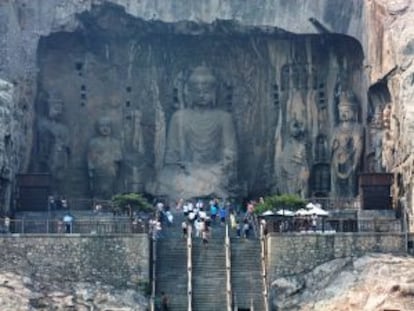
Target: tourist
213, 211
223, 214
246, 228
314, 222
205, 234
238, 228
68, 221
232, 221
165, 303
184, 227
197, 227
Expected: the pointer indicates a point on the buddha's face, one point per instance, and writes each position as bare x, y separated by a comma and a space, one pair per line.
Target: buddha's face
104, 127
202, 88
346, 113
296, 128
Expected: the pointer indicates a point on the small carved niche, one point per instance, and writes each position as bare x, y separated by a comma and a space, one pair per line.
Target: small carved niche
321, 149
275, 94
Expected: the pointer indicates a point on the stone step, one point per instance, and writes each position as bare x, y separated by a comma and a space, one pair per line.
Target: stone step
247, 283
171, 272
209, 281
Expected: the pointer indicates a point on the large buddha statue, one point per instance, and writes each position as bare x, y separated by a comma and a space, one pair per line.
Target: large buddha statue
104, 157
347, 143
201, 151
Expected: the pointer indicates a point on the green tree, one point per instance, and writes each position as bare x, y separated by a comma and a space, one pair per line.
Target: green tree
130, 202
274, 202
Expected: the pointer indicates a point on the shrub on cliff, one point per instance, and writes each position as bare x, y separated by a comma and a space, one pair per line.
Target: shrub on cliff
275, 202
130, 202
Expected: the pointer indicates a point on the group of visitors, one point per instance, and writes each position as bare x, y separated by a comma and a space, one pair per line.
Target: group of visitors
200, 216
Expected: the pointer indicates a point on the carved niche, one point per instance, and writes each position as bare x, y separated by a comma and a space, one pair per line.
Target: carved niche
136, 73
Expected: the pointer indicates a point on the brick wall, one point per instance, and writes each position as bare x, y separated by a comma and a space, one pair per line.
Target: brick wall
296, 253
121, 261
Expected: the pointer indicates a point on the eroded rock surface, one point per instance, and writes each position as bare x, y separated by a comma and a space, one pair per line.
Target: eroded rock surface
368, 283
18, 292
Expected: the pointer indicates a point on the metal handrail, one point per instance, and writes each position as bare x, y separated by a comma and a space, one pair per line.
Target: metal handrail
189, 271
121, 225
228, 269
263, 254
154, 275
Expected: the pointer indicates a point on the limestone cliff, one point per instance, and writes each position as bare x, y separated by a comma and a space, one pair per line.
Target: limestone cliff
130, 59
371, 282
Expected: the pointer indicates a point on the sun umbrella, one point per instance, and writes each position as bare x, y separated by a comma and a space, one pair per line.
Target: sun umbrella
302, 212
268, 213
285, 212
318, 211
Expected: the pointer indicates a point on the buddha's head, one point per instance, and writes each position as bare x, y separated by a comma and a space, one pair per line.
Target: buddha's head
202, 87
104, 126
296, 128
347, 108
55, 103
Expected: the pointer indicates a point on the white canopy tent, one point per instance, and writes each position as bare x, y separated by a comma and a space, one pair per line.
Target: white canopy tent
316, 209
285, 212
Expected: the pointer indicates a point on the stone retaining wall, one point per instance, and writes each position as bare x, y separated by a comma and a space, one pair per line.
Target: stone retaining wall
290, 254
121, 261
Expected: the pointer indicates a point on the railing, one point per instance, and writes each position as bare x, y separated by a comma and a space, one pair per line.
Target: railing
154, 273
228, 269
189, 271
263, 254
119, 225
336, 203
282, 226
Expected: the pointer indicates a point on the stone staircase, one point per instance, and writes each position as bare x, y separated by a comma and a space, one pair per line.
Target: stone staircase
246, 274
209, 270
171, 271
209, 275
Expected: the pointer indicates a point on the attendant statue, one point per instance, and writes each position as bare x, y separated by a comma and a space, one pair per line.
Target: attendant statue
201, 152
104, 158
294, 169
347, 143
53, 143
6, 138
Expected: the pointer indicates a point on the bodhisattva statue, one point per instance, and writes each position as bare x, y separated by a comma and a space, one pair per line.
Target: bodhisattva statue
294, 169
6, 171
104, 158
53, 142
201, 152
347, 143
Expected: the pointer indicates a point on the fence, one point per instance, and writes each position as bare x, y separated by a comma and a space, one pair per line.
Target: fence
332, 226
52, 226
336, 203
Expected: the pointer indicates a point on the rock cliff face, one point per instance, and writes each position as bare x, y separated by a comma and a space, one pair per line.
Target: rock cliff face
379, 282
278, 64
23, 293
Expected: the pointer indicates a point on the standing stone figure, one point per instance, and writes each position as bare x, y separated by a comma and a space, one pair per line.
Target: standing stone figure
134, 151
347, 143
6, 170
294, 169
53, 146
201, 153
104, 158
